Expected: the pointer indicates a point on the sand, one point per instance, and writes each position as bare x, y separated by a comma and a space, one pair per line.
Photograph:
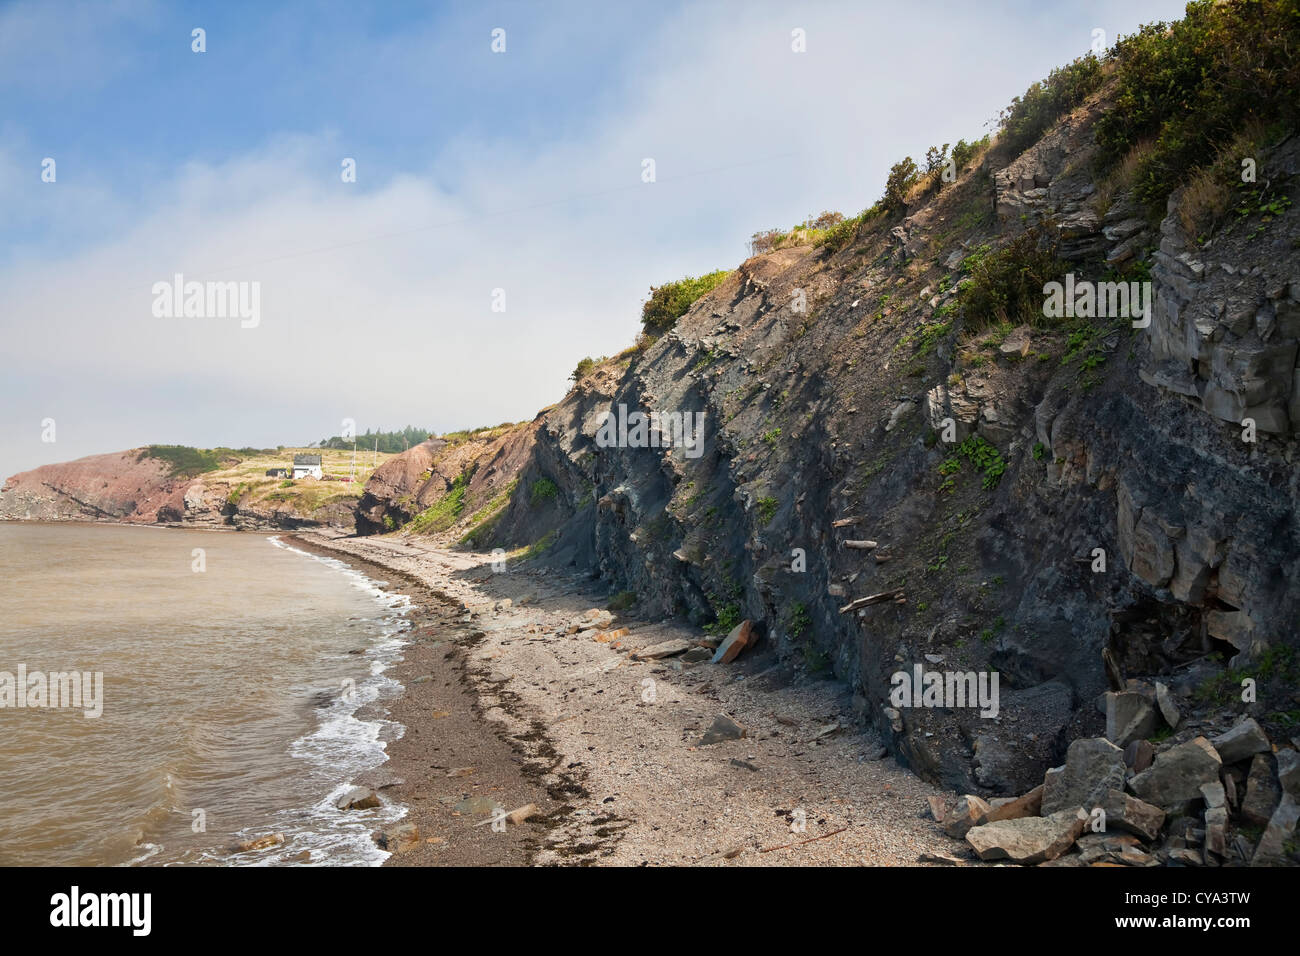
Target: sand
503, 705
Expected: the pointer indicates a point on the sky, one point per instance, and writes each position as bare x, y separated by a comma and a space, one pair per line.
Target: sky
500, 226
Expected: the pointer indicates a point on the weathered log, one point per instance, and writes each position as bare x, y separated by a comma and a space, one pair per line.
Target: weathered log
861, 545
895, 595
845, 522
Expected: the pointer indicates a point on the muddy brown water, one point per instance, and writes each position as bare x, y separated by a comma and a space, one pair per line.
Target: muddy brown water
229, 701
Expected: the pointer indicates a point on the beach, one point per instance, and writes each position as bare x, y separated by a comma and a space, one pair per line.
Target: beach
595, 755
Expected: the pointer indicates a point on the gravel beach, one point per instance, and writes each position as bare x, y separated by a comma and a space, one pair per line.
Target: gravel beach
601, 751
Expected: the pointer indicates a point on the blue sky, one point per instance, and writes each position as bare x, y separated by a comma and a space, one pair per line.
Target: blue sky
476, 171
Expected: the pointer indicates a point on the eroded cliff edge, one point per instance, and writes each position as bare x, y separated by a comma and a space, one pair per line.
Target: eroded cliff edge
1070, 441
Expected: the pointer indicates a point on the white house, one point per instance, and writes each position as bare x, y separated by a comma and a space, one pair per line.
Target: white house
307, 466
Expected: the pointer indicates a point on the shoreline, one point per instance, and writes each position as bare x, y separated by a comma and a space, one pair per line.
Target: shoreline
444, 736
503, 708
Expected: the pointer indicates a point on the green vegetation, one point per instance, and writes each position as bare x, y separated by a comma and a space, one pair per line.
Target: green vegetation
389, 442
585, 367
767, 509
989, 634
772, 437
621, 601
800, 620
1224, 689
1182, 88
540, 545
724, 619
928, 335
903, 175
442, 514
815, 660
483, 520
964, 152
482, 433
187, 462
840, 235
814, 229
669, 302
542, 491
1029, 116
1006, 285
984, 456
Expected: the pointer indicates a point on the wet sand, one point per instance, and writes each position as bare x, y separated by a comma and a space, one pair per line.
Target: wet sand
607, 746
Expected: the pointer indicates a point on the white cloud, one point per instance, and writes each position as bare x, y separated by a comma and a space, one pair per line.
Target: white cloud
376, 297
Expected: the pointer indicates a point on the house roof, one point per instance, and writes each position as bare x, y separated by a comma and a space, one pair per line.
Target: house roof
306, 460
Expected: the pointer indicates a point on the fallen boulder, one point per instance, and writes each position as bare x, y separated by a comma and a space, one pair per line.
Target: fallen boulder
1138, 755
1288, 771
1262, 792
595, 618
734, 643
1130, 715
1028, 840
964, 815
1029, 805
1177, 774
1132, 815
1244, 740
1093, 765
1216, 831
1169, 707
402, 837
1272, 849
663, 649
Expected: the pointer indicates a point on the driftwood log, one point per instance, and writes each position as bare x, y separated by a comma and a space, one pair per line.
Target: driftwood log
895, 595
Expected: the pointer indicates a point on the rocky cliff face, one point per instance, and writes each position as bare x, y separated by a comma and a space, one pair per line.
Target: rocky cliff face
130, 487
118, 486
1070, 504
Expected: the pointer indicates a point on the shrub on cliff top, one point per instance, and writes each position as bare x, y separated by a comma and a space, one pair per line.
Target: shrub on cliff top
903, 175
964, 152
670, 301
1193, 83
1029, 116
585, 367
186, 462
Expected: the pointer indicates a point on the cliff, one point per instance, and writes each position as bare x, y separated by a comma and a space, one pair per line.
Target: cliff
136, 487
1077, 503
